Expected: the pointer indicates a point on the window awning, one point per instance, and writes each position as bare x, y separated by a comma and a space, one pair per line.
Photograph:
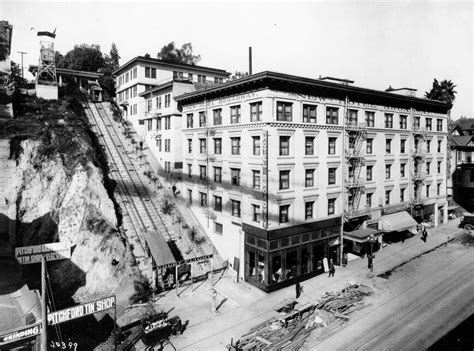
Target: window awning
361, 235
397, 222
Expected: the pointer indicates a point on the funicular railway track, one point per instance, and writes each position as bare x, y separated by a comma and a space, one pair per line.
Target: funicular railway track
198, 249
142, 211
147, 211
131, 211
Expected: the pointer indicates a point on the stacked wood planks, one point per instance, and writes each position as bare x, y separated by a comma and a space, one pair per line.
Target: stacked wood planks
291, 330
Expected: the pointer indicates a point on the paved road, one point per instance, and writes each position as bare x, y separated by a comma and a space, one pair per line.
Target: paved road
425, 299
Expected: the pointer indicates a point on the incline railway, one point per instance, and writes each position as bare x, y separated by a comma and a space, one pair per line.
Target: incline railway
140, 211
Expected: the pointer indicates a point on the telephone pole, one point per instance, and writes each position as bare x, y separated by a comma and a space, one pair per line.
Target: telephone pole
22, 53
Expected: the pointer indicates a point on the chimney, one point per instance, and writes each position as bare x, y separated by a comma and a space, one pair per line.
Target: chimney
250, 60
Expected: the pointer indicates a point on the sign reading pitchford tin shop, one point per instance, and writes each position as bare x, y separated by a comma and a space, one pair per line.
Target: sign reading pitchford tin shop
81, 310
34, 254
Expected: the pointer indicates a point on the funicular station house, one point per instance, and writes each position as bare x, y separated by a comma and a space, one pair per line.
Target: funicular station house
278, 167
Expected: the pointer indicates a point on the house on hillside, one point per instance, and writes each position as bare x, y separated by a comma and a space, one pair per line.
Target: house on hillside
461, 182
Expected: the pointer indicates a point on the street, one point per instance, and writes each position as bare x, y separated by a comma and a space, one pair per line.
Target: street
422, 301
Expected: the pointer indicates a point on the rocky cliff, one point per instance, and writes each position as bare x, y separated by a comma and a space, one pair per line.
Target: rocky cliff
59, 193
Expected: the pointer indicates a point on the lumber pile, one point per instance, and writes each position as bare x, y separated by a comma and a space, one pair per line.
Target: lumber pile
290, 330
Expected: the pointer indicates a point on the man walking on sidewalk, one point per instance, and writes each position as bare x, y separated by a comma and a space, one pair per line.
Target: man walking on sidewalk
299, 289
332, 269
424, 234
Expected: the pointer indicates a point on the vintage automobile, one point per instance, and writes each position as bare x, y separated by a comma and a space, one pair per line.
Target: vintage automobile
467, 221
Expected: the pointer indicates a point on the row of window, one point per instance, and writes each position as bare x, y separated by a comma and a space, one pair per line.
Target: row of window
284, 210
127, 93
167, 145
403, 150
127, 76
403, 192
200, 78
284, 175
235, 115
284, 145
284, 112
309, 146
388, 170
309, 208
159, 121
158, 105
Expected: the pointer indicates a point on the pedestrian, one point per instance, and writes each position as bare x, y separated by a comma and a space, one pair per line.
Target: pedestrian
214, 302
299, 290
424, 234
332, 269
174, 190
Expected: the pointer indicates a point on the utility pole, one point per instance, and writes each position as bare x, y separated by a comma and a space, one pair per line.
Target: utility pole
44, 315
22, 53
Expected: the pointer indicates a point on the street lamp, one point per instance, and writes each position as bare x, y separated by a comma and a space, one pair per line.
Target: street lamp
370, 256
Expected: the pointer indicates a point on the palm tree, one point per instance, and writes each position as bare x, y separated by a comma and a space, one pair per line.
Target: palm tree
443, 91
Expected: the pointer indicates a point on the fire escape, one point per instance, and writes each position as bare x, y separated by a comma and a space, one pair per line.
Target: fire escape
418, 153
355, 135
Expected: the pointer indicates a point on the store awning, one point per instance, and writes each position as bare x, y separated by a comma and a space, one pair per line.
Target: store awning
159, 248
361, 235
397, 222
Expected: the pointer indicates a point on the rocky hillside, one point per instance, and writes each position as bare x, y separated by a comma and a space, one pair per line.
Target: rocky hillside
59, 193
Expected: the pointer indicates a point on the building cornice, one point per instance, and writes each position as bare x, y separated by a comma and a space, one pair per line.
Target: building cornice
285, 82
153, 61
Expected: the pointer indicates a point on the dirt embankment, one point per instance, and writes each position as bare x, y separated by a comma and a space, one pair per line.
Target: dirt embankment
59, 194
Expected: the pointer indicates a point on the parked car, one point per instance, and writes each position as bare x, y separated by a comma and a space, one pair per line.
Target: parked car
467, 222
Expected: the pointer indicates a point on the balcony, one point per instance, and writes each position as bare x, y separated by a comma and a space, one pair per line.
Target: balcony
417, 201
354, 183
354, 153
355, 126
418, 176
354, 213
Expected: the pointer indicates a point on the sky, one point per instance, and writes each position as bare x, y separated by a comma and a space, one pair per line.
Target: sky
375, 43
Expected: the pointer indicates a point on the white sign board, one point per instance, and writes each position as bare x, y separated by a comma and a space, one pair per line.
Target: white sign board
21, 333
81, 310
51, 252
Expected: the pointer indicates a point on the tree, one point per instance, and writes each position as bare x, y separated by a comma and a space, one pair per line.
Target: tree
443, 91
239, 75
58, 59
114, 56
84, 57
111, 63
169, 53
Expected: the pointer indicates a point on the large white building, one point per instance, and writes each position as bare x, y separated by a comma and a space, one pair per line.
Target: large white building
277, 166
147, 110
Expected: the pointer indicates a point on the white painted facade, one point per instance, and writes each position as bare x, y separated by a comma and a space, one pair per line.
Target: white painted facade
229, 239
140, 74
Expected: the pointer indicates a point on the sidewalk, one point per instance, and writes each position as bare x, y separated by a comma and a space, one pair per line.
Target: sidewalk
245, 306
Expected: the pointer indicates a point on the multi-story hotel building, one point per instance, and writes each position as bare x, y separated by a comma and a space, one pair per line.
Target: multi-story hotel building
141, 74
274, 165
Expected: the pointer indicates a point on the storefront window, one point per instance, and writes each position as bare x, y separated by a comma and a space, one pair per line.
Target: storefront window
318, 255
291, 264
304, 260
276, 269
256, 271
251, 265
